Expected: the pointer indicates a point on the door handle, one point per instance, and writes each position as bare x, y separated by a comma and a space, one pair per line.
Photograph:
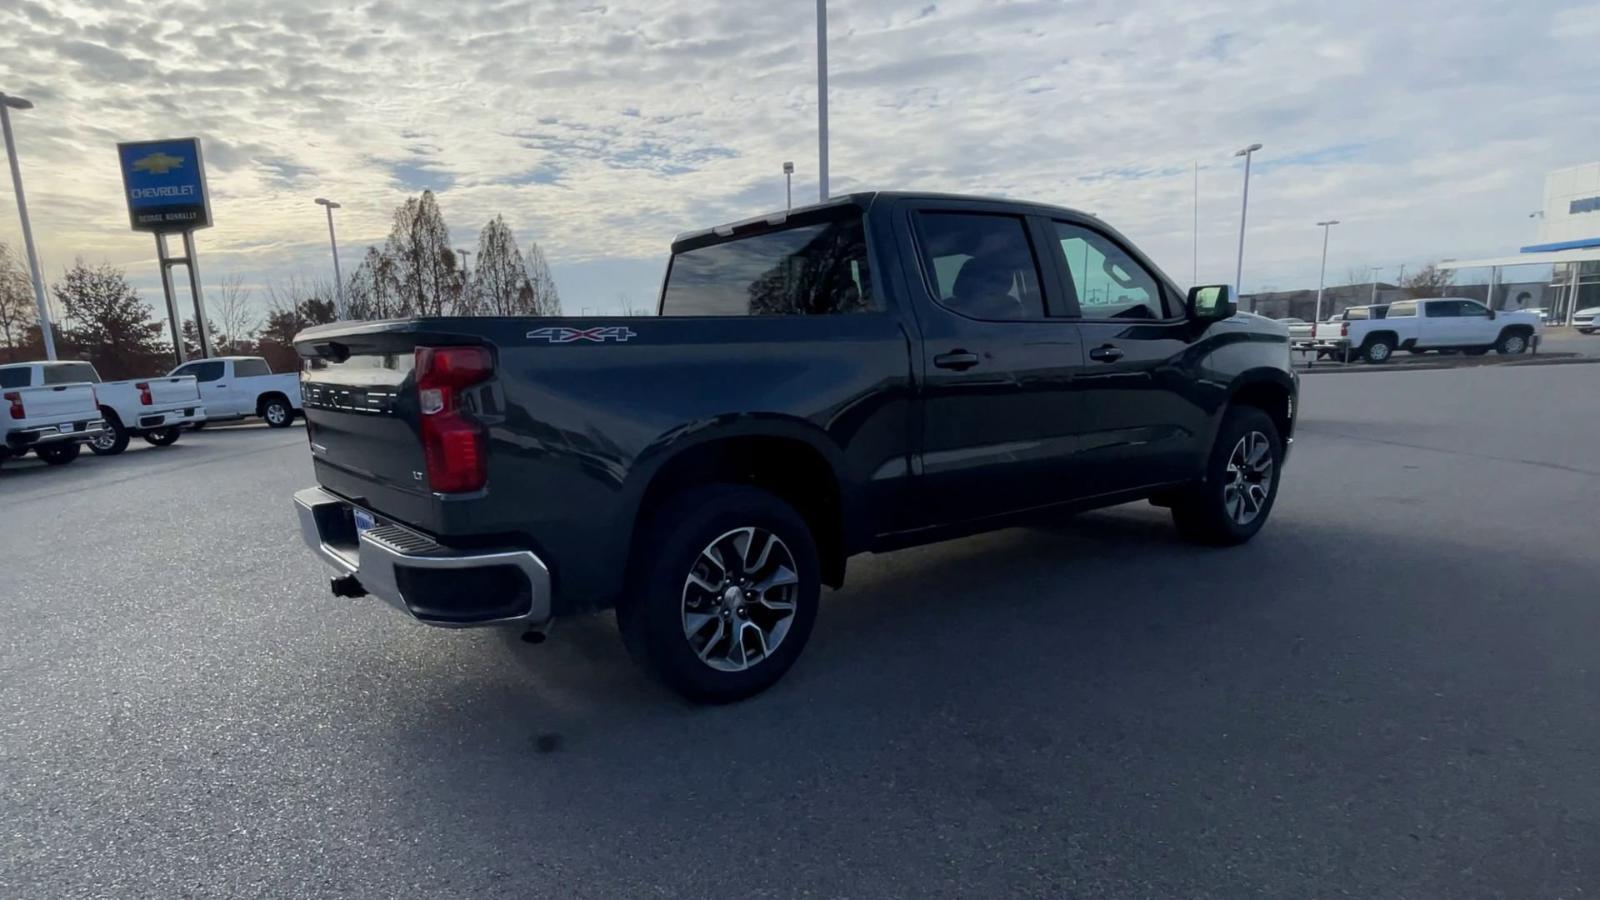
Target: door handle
956, 359
1108, 353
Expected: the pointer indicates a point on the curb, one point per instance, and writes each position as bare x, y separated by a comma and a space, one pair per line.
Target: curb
1541, 359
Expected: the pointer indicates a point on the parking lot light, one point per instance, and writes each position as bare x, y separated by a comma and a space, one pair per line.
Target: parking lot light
46, 332
1322, 276
1244, 209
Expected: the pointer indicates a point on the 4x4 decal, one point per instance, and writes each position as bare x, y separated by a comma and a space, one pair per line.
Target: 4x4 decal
562, 334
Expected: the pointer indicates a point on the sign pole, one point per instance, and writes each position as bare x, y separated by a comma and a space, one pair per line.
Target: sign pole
199, 298
172, 302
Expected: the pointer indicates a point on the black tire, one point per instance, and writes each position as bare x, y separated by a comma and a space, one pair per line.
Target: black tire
113, 441
162, 437
1202, 513
198, 426
1586, 331
672, 551
1377, 350
1512, 343
277, 412
59, 454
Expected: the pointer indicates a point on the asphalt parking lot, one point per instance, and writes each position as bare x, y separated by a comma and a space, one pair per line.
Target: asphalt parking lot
1393, 692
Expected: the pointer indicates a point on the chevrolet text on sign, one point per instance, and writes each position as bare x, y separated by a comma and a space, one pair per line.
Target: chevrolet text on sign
165, 185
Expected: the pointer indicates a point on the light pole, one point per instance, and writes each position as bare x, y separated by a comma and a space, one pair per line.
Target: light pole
788, 186
8, 103
338, 279
822, 100
1373, 274
1196, 275
1244, 208
1326, 227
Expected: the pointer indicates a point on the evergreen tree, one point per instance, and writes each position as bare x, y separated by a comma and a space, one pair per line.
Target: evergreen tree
109, 323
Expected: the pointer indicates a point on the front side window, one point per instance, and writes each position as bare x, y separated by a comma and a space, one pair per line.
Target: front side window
1403, 309
1470, 308
981, 266
809, 269
70, 373
1108, 282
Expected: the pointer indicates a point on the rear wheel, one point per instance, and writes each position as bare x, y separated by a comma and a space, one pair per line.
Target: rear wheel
112, 441
277, 412
725, 596
1241, 484
1377, 350
59, 454
161, 437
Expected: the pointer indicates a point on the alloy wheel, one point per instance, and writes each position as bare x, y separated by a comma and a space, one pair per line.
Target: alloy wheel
1248, 477
739, 599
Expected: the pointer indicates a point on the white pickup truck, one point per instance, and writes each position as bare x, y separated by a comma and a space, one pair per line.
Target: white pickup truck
155, 409
1438, 323
233, 387
53, 418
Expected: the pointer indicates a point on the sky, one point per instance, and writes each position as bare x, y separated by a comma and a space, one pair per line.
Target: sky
601, 129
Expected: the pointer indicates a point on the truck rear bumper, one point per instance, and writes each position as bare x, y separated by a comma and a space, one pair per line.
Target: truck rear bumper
433, 584
169, 418
23, 438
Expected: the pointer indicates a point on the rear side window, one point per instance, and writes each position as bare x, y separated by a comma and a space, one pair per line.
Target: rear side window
1443, 309
809, 269
70, 373
981, 266
249, 368
1403, 309
15, 378
211, 370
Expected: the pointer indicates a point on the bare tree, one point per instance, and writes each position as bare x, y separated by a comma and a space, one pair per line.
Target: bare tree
373, 291
544, 299
630, 307
425, 265
499, 281
236, 316
1429, 281
16, 300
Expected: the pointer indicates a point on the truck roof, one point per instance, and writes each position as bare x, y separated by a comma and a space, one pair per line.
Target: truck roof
864, 199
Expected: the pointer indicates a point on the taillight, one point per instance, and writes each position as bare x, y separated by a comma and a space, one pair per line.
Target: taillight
452, 443
17, 412
1344, 329
144, 394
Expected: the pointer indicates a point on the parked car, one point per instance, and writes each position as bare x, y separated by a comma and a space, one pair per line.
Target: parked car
1442, 323
1585, 320
155, 409
46, 414
236, 387
875, 372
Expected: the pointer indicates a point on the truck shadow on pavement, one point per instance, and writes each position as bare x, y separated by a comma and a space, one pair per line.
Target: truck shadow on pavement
992, 695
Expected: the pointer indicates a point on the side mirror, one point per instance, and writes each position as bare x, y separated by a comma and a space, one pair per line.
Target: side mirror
1210, 303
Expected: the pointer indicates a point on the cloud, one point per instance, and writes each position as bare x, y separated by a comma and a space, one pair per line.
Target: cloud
602, 129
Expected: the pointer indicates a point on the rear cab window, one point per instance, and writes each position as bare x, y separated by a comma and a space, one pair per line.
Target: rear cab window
815, 263
70, 373
16, 377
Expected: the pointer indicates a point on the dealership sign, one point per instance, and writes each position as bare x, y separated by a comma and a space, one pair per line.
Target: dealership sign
165, 185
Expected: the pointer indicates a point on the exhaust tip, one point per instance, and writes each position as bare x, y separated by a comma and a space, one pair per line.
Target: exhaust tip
533, 637
347, 586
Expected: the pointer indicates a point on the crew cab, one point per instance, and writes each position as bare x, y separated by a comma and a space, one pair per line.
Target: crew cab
1350, 314
1438, 323
152, 408
46, 413
875, 372
236, 387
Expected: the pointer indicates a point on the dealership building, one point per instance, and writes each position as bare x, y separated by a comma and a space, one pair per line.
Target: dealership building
1569, 243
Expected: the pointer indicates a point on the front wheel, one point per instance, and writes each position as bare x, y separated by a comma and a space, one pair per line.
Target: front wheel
1241, 482
725, 595
161, 437
277, 412
1511, 343
59, 454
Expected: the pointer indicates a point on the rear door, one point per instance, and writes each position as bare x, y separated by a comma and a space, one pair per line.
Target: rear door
215, 393
1141, 423
998, 421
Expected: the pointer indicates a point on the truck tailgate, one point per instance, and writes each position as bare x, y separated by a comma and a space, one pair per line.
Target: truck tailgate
173, 391
61, 401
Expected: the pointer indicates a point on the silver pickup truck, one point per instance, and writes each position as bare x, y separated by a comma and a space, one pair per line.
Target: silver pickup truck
53, 420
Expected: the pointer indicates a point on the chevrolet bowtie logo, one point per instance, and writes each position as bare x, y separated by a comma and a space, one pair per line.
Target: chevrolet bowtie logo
158, 163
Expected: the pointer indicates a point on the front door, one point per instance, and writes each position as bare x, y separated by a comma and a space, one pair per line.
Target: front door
997, 408
1142, 422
